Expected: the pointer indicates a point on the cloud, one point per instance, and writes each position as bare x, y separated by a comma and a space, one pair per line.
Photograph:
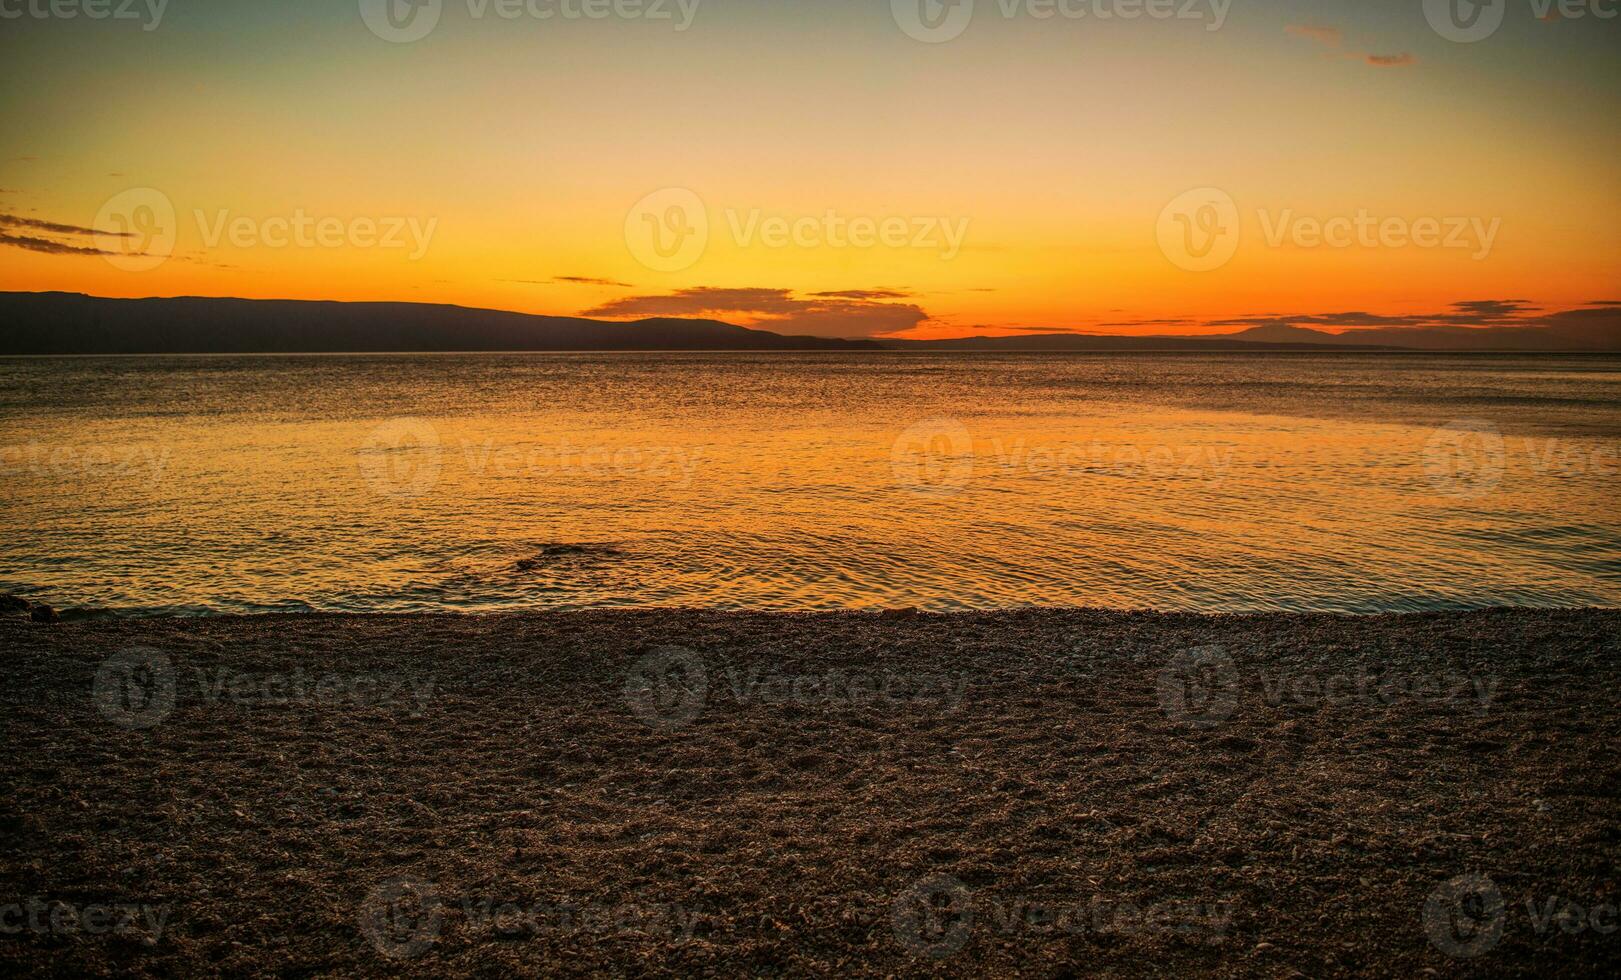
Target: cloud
1330, 36
34, 243
1333, 37
836, 313
864, 294
49, 247
591, 281
53, 227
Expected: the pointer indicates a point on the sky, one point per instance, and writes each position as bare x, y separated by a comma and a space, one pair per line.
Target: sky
841, 167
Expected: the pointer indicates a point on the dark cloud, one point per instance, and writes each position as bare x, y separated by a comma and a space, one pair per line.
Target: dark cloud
864, 294
824, 315
48, 247
592, 281
1391, 60
54, 228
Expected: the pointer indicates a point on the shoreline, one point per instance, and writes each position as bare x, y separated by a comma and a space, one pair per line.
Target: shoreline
19, 608
1038, 791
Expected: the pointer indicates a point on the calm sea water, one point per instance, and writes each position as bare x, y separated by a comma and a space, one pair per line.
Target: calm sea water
820, 481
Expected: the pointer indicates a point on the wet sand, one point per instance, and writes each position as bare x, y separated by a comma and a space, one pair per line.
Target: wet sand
1040, 793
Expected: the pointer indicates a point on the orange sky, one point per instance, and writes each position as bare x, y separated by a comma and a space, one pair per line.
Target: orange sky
812, 168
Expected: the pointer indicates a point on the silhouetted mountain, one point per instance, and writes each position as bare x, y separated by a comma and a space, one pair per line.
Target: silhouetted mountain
72, 323
1585, 330
1097, 342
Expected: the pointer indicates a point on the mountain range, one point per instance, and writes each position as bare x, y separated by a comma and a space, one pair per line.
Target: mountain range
73, 323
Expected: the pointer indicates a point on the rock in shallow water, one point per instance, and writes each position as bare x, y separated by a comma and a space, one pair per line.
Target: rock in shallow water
12, 604
43, 613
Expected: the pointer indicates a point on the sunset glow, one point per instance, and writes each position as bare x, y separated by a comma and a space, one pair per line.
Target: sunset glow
508, 155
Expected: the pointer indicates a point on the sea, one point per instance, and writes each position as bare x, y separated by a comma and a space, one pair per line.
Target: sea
1340, 482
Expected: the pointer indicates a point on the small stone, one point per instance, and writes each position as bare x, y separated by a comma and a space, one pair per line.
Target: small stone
43, 613
14, 604
904, 612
